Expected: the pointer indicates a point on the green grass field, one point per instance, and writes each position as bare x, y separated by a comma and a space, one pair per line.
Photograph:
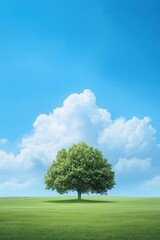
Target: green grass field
94, 218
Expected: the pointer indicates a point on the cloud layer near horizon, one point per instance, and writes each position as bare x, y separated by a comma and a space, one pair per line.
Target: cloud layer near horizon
129, 145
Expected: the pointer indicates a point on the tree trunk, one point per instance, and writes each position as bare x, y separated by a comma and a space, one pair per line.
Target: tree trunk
79, 195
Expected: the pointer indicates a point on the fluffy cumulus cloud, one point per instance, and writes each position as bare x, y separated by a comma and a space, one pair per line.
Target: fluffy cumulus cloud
8, 161
126, 165
128, 138
129, 144
154, 182
79, 119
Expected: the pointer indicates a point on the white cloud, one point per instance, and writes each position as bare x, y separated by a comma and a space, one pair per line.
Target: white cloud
154, 182
8, 161
127, 165
80, 119
128, 138
14, 184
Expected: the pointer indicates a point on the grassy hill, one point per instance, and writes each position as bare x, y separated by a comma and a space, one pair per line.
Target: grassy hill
95, 218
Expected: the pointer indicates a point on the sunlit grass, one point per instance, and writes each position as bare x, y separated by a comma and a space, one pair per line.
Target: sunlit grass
94, 218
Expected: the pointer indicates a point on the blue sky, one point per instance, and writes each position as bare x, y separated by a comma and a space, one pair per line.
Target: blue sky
50, 50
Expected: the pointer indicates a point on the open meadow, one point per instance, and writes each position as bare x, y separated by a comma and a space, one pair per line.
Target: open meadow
94, 218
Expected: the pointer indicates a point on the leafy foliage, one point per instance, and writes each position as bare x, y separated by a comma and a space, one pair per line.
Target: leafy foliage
82, 169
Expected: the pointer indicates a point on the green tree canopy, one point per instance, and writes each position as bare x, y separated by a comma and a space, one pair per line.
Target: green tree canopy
82, 169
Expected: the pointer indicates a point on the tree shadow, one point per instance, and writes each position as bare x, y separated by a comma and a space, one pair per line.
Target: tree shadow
79, 201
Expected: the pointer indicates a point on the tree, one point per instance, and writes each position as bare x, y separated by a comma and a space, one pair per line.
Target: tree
82, 169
